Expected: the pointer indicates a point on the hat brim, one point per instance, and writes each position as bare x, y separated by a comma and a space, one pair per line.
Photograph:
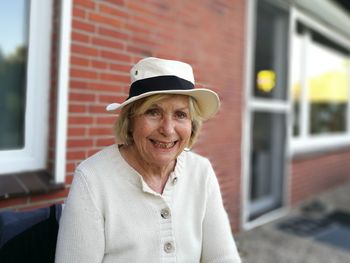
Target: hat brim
208, 101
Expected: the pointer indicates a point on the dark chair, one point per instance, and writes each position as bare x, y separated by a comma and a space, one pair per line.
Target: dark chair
29, 236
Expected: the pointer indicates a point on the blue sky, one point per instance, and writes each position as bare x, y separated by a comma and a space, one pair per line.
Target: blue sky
12, 24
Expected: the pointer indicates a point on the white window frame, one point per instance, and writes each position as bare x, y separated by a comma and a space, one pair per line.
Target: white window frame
305, 142
33, 155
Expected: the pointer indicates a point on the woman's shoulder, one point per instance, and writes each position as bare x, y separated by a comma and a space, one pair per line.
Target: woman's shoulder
191, 157
105, 159
194, 163
196, 170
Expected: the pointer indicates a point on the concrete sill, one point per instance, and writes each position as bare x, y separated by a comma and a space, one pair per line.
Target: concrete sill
26, 184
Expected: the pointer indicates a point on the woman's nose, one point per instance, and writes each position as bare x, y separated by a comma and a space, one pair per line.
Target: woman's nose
167, 126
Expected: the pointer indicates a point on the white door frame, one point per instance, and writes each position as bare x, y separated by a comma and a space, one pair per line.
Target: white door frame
253, 104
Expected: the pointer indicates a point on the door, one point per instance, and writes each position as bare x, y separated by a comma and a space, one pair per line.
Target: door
267, 110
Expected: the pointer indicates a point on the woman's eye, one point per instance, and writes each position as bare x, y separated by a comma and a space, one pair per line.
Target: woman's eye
152, 112
181, 115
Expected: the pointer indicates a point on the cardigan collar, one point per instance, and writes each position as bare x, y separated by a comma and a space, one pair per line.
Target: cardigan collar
138, 180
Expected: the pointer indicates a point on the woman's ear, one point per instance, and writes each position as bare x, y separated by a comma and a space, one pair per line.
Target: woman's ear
192, 129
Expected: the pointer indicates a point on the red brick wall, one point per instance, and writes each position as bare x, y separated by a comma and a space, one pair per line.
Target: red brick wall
313, 175
109, 36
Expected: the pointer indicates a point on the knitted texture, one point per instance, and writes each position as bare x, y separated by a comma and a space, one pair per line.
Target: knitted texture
112, 215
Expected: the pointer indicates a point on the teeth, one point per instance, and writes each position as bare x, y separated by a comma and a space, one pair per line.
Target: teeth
163, 145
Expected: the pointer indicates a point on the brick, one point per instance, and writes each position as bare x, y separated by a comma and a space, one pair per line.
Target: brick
109, 120
130, 26
76, 155
147, 22
97, 109
112, 33
78, 12
117, 57
105, 142
111, 22
80, 37
114, 77
92, 152
84, 50
87, 74
110, 98
102, 86
85, 3
101, 131
79, 143
116, 2
310, 176
99, 64
77, 108
79, 61
107, 43
143, 41
110, 10
76, 131
72, 120
81, 96
147, 51
75, 84
84, 26
69, 178
120, 67
135, 7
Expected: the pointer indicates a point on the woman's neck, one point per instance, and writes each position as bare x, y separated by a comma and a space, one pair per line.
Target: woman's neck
155, 176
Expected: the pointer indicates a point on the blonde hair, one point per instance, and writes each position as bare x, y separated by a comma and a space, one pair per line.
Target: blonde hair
123, 122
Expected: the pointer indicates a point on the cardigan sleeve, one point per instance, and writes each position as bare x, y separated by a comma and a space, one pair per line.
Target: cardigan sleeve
218, 245
81, 228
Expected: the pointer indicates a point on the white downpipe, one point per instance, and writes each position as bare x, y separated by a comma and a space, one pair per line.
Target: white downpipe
62, 94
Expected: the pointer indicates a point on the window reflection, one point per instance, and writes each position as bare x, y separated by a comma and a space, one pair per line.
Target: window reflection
270, 55
13, 57
327, 89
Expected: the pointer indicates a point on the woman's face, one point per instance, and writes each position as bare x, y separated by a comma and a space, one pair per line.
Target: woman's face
163, 131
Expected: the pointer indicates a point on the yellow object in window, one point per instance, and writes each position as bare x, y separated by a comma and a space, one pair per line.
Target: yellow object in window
266, 80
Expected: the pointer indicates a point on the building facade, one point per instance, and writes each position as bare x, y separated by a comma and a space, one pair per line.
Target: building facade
281, 69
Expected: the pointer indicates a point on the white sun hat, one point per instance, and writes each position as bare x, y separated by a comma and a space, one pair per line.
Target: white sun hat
152, 76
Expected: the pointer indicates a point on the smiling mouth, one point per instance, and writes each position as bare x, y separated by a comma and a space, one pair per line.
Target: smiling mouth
163, 145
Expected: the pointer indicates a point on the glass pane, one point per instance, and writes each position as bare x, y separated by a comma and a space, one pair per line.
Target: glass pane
297, 68
13, 57
270, 76
328, 84
267, 160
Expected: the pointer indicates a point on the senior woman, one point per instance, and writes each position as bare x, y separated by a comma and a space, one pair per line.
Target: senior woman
149, 198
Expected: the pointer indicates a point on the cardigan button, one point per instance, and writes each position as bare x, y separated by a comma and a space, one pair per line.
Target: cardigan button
168, 247
175, 181
165, 213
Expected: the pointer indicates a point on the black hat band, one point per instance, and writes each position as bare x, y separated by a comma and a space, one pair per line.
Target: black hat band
159, 83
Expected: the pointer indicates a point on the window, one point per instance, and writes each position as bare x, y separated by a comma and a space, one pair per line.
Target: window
13, 57
320, 82
25, 29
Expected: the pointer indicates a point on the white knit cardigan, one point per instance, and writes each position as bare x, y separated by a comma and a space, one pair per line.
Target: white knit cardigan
112, 215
